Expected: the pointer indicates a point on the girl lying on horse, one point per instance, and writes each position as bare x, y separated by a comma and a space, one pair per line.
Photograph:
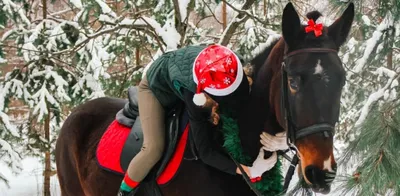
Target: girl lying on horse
204, 78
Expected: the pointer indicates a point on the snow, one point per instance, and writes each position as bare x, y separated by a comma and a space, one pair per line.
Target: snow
7, 34
96, 58
57, 34
168, 32
12, 157
395, 83
4, 91
10, 127
11, 7
40, 97
366, 20
106, 18
375, 96
371, 43
2, 60
155, 56
92, 84
159, 5
230, 13
262, 46
383, 70
29, 182
105, 8
183, 5
76, 3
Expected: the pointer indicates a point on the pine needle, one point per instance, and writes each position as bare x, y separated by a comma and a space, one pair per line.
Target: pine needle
375, 155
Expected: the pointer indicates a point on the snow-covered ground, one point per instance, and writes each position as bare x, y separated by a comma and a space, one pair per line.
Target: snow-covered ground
29, 182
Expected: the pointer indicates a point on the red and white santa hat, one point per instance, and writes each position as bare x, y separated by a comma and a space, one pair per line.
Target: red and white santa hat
217, 71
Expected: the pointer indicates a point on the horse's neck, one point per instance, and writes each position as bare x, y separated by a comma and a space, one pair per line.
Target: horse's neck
255, 119
259, 115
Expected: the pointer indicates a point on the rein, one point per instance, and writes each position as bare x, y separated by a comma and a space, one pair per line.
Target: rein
246, 177
293, 132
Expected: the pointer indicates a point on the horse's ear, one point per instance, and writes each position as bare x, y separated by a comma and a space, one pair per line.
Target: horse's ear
340, 29
290, 24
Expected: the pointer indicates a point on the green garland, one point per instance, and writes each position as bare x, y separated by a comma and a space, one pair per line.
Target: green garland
271, 182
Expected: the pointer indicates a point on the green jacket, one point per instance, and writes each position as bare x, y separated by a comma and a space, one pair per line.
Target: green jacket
171, 72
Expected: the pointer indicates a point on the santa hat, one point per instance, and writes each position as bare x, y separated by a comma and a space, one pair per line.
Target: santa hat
217, 71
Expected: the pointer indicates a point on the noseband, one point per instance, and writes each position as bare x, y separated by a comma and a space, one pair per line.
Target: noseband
293, 132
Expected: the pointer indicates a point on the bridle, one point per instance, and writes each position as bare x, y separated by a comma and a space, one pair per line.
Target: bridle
293, 132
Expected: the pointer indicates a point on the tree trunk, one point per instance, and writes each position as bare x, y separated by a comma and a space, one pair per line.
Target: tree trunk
223, 15
231, 27
137, 54
265, 7
391, 33
47, 162
47, 166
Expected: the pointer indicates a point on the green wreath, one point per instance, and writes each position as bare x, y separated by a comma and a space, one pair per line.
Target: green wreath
271, 182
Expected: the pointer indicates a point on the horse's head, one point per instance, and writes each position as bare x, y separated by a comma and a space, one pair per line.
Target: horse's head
312, 81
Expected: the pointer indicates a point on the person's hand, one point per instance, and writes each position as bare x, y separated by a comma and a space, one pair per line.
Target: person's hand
261, 165
273, 143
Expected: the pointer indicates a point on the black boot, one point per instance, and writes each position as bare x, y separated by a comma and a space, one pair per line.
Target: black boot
125, 193
122, 193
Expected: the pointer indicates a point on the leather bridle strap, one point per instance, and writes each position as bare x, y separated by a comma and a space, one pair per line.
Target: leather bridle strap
309, 50
292, 134
246, 177
317, 128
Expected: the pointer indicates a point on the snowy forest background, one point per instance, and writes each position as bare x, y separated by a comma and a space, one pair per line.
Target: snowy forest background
54, 55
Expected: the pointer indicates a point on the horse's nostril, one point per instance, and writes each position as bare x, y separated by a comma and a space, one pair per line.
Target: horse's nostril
315, 175
334, 167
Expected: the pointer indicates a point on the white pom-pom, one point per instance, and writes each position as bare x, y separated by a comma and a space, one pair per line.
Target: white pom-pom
199, 99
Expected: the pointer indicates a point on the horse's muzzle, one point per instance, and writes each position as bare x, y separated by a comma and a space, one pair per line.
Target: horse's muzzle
320, 180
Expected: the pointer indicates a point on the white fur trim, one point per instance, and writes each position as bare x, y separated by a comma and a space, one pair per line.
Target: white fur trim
199, 99
230, 89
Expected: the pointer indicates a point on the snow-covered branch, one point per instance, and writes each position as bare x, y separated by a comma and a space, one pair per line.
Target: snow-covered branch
12, 157
374, 97
246, 12
373, 41
234, 24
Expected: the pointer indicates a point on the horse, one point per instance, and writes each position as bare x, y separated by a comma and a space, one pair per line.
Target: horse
298, 82
312, 86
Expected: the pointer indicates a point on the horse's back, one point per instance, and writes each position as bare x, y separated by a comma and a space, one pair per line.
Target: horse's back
78, 139
88, 119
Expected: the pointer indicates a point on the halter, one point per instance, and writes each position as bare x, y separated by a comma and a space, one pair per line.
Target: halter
293, 133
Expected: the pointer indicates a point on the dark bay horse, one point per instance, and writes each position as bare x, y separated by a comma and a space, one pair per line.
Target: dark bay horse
298, 89
314, 81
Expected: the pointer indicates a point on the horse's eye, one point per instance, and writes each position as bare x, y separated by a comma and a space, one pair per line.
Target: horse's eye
293, 83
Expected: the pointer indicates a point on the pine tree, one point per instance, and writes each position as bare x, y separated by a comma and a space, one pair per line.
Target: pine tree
70, 56
369, 122
376, 151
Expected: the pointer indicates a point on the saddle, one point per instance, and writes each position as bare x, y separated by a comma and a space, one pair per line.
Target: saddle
176, 121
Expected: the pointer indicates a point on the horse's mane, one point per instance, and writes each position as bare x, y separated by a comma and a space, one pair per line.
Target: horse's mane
258, 61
